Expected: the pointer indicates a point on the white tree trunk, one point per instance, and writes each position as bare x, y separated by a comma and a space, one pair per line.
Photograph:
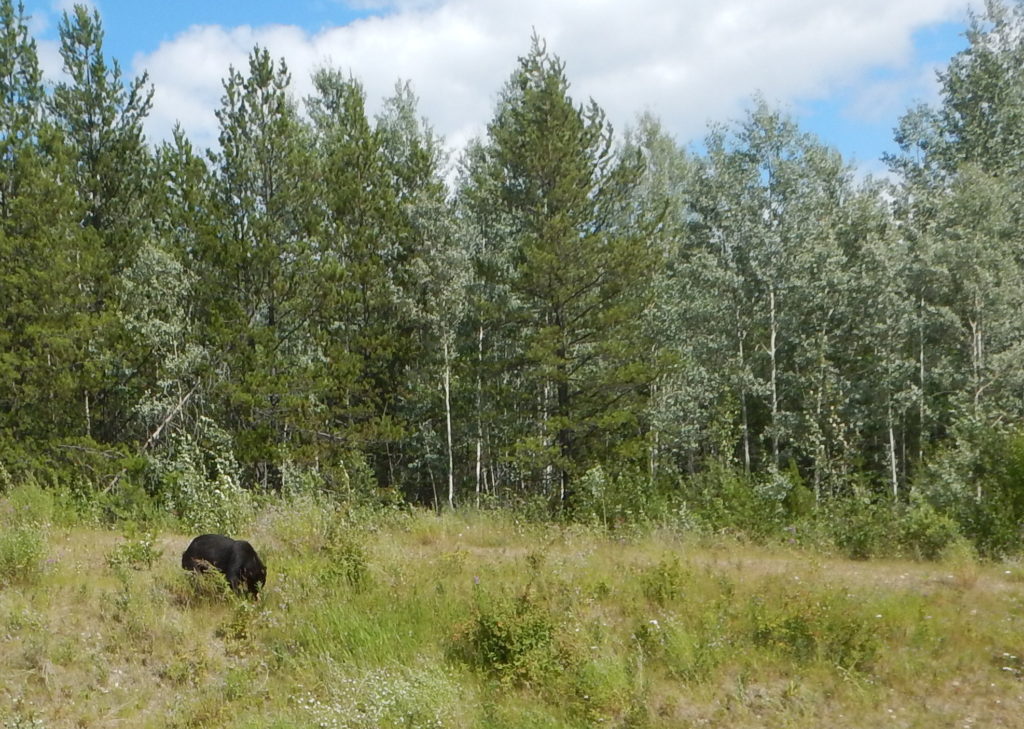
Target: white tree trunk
448, 424
772, 354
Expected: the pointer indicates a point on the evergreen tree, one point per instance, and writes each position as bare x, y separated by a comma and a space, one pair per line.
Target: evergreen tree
101, 119
261, 289
577, 274
48, 268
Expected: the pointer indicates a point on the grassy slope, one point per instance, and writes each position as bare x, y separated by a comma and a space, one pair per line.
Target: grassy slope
474, 621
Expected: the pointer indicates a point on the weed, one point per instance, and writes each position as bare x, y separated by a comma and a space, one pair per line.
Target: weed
22, 551
385, 698
807, 627
512, 638
190, 588
134, 553
664, 582
239, 626
926, 533
346, 559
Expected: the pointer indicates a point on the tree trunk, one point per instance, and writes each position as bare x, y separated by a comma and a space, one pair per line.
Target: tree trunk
772, 355
448, 425
479, 416
893, 468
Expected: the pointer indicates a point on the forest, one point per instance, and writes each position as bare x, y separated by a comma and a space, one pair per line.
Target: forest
561, 319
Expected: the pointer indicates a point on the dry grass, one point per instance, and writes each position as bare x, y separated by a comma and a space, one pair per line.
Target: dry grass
652, 630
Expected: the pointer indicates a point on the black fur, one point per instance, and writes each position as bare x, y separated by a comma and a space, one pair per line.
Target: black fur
233, 557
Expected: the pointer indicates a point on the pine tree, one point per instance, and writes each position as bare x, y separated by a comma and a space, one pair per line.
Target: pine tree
47, 266
577, 269
100, 118
259, 271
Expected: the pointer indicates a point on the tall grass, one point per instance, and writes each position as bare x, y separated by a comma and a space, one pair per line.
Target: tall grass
479, 620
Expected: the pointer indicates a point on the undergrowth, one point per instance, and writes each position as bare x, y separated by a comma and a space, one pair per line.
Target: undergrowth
401, 618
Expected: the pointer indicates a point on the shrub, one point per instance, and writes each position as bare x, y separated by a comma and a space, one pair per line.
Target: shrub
347, 559
134, 553
28, 503
22, 551
614, 499
726, 500
513, 639
863, 528
663, 582
190, 588
977, 483
198, 482
808, 627
926, 533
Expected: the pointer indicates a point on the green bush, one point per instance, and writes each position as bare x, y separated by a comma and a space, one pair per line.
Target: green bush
198, 481
30, 503
347, 559
810, 627
616, 499
926, 533
22, 554
512, 639
726, 500
863, 528
135, 553
979, 484
663, 582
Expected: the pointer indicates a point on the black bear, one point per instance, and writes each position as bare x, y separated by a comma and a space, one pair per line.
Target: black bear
233, 557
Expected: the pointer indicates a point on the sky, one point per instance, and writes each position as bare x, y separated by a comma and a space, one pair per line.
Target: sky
845, 69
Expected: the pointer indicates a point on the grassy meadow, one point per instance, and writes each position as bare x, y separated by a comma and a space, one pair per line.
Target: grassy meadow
408, 619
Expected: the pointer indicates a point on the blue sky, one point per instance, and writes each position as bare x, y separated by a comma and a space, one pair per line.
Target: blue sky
846, 70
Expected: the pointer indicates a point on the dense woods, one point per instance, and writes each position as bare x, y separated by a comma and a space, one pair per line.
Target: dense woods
561, 318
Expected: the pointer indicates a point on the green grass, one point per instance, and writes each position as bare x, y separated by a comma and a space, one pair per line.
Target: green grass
480, 620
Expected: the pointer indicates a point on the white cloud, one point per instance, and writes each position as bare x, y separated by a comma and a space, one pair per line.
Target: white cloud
687, 61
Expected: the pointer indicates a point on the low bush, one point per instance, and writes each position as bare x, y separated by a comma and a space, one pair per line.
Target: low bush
863, 527
514, 639
725, 499
22, 554
807, 627
136, 552
927, 534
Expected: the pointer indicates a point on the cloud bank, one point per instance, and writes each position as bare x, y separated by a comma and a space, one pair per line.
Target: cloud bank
687, 61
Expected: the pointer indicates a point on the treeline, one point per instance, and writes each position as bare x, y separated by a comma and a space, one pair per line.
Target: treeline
561, 315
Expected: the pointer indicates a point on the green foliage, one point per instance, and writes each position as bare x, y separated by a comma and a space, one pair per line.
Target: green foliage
664, 582
808, 627
28, 504
346, 558
136, 552
513, 638
22, 554
725, 499
311, 309
863, 527
550, 171
26, 513
619, 497
977, 485
200, 484
926, 533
